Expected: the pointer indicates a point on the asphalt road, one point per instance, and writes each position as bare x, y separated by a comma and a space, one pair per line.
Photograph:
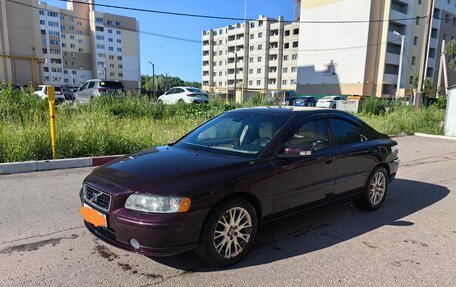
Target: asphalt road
410, 241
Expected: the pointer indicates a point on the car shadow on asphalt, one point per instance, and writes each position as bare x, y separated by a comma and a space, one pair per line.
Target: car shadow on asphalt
325, 226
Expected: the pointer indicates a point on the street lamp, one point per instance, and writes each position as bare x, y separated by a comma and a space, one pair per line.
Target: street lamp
400, 63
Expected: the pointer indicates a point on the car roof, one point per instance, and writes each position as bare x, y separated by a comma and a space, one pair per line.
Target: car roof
182, 87
288, 110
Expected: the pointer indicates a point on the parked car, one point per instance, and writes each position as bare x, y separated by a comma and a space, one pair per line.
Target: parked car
96, 88
306, 101
42, 92
329, 102
289, 97
210, 190
14, 87
68, 92
187, 95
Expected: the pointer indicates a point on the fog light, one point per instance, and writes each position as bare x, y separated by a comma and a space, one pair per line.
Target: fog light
134, 243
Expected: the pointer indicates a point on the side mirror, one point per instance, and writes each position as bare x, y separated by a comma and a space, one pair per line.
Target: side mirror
295, 151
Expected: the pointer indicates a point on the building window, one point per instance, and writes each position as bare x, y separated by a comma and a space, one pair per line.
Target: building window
63, 45
286, 45
292, 82
79, 32
118, 32
259, 59
71, 28
79, 24
284, 82
287, 32
250, 71
296, 31
258, 82
250, 60
110, 40
71, 37
63, 36
110, 31
42, 12
80, 41
117, 23
42, 22
72, 46
260, 23
293, 69
70, 18
260, 35
259, 71
250, 83
119, 58
99, 29
252, 24
415, 40
295, 44
109, 22
119, 49
99, 37
111, 57
411, 80
80, 50
251, 48
99, 20
285, 57
413, 60
120, 75
99, 46
120, 42
111, 49
111, 66
285, 70
252, 36
220, 63
260, 47
112, 74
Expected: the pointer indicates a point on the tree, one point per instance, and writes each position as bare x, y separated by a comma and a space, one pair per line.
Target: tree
429, 87
450, 50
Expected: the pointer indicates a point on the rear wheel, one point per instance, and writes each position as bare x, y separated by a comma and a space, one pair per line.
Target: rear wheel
229, 233
374, 192
160, 102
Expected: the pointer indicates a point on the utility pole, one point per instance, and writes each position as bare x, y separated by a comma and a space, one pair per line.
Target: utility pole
424, 56
153, 78
398, 89
105, 72
235, 74
442, 70
166, 81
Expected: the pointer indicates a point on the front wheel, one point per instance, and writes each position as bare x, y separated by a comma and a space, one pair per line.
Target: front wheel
228, 234
374, 192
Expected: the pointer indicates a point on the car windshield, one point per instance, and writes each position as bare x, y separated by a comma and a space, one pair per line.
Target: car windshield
111, 85
235, 133
194, 90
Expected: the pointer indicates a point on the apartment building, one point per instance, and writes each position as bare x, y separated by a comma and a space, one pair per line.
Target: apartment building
362, 58
78, 43
263, 54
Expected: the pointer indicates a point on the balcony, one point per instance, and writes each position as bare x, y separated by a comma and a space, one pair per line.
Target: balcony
274, 38
392, 59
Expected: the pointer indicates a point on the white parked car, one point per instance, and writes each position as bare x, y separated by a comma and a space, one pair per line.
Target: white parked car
187, 95
42, 92
329, 102
96, 88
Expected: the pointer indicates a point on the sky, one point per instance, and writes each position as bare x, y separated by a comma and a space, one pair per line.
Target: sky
178, 58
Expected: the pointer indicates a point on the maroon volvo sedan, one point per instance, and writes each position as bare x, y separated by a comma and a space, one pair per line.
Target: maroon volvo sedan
210, 190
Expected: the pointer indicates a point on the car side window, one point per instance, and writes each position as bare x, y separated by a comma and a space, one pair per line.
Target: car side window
84, 86
170, 92
311, 135
178, 91
346, 132
91, 85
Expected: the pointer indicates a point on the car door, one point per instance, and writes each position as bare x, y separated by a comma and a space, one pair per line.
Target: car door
355, 155
167, 99
178, 94
304, 179
82, 93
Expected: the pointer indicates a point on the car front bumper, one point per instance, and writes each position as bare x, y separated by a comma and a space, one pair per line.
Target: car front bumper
157, 234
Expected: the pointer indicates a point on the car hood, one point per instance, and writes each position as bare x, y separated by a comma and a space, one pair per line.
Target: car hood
163, 170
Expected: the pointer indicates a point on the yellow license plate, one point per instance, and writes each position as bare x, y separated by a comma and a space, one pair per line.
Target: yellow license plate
92, 216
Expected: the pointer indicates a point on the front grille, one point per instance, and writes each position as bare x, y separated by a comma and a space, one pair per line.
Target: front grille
97, 198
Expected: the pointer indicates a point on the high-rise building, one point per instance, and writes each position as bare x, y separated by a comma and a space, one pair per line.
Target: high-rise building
266, 51
362, 58
76, 44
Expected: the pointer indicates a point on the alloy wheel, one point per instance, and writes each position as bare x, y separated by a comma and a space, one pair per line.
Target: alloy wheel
377, 188
232, 232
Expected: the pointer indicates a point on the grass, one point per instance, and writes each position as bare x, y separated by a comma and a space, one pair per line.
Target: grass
109, 126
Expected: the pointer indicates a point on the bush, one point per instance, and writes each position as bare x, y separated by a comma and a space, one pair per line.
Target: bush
376, 106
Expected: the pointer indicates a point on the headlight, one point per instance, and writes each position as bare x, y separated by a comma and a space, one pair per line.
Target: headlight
158, 204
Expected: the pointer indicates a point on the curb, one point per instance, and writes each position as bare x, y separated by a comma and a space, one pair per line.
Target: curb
42, 165
435, 136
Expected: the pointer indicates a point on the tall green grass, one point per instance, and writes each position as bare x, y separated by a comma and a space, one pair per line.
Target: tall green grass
108, 126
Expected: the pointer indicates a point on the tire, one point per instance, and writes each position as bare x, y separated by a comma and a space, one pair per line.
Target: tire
375, 191
160, 102
213, 250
